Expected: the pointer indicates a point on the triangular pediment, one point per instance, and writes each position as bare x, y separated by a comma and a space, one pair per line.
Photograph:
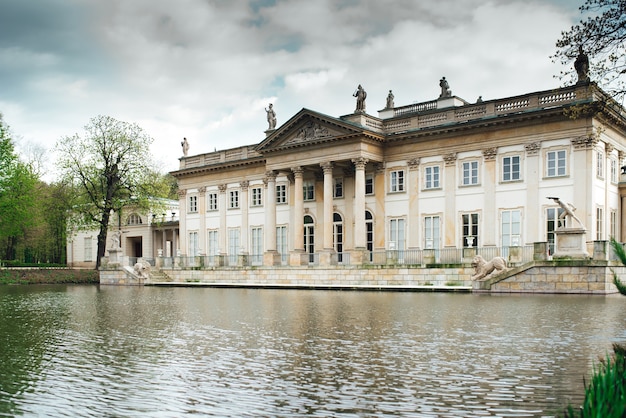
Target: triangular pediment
309, 128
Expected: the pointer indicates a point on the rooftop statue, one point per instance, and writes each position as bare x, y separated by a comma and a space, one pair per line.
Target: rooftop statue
390, 104
271, 117
360, 95
185, 146
582, 66
568, 211
445, 88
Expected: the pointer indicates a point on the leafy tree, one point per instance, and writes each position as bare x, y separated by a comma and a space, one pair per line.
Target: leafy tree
602, 36
17, 194
109, 167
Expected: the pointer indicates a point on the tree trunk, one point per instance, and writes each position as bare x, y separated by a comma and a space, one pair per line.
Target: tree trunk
102, 237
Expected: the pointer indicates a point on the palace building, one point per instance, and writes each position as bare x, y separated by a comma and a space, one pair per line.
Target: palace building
441, 174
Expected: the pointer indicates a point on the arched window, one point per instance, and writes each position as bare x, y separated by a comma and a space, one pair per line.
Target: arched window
338, 236
369, 231
134, 219
309, 237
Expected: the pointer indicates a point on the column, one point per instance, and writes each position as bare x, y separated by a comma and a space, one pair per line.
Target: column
202, 213
298, 256
221, 258
413, 238
449, 217
358, 253
489, 184
271, 256
242, 259
327, 239
535, 210
182, 225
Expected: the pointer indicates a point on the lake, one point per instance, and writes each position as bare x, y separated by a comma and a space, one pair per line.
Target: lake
143, 351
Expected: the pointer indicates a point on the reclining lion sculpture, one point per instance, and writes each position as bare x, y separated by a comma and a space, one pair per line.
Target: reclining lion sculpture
483, 268
142, 269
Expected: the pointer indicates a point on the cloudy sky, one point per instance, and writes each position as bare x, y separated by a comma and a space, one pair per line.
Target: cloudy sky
206, 69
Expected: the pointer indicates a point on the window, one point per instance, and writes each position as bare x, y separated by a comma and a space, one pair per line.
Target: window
281, 194
233, 246
470, 230
193, 244
257, 244
338, 236
193, 204
511, 168
369, 184
308, 190
431, 232
369, 230
88, 248
470, 173
396, 179
212, 198
599, 224
134, 219
614, 171
554, 223
309, 237
213, 247
397, 234
555, 163
511, 228
600, 164
281, 243
613, 221
257, 196
431, 177
338, 189
234, 199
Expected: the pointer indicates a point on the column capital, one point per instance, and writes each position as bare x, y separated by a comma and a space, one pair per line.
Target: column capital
182, 192
244, 184
413, 163
202, 190
532, 148
270, 175
450, 159
297, 171
221, 188
327, 167
490, 153
360, 163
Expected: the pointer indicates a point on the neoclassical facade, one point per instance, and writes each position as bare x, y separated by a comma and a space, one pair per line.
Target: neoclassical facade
436, 175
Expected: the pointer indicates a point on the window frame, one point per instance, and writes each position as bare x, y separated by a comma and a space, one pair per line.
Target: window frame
212, 201
397, 181
256, 198
470, 173
511, 172
233, 199
308, 191
556, 160
281, 194
192, 201
432, 177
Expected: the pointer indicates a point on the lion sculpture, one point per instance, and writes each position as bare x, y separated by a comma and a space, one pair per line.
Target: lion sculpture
142, 269
483, 268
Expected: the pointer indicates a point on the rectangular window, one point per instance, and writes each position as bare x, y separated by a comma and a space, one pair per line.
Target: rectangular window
554, 223
431, 177
397, 234
233, 246
308, 190
369, 184
281, 194
212, 199
600, 164
396, 179
555, 163
470, 173
613, 226
614, 171
88, 248
193, 204
193, 244
511, 168
234, 199
338, 189
257, 196
599, 224
213, 247
431, 232
470, 230
256, 244
511, 228
281, 243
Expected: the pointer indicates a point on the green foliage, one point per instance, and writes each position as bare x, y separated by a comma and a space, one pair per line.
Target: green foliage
605, 396
602, 36
620, 252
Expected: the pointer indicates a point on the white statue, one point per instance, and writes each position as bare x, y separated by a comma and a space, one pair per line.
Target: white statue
116, 240
271, 117
185, 146
568, 210
142, 269
483, 268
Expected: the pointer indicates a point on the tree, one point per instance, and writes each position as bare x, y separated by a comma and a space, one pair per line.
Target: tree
110, 167
17, 194
602, 36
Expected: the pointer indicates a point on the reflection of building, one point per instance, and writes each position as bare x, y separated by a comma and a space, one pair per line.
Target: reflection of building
434, 175
143, 235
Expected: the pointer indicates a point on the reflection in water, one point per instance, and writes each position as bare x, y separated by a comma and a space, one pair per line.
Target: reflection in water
134, 351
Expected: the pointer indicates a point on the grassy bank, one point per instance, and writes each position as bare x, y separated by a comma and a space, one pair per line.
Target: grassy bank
48, 276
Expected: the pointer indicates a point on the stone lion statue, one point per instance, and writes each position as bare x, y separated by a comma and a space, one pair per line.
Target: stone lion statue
483, 268
142, 269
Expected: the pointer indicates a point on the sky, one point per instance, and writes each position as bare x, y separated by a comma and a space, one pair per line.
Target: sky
207, 69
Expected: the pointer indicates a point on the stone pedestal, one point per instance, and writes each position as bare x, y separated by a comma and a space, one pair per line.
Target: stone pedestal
359, 256
298, 258
115, 255
328, 258
570, 243
271, 258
